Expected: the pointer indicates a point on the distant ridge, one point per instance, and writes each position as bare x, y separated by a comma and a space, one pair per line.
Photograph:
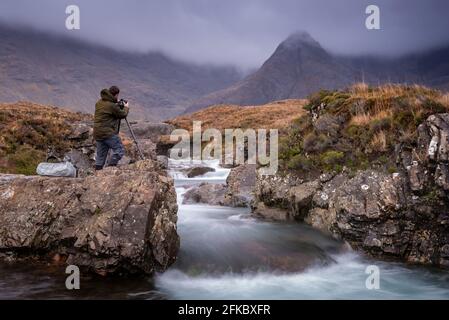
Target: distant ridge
60, 71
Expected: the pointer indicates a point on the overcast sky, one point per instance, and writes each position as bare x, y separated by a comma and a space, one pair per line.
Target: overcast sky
240, 32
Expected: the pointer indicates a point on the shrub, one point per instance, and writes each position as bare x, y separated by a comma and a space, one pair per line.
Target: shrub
316, 143
359, 127
331, 159
327, 124
26, 159
300, 162
379, 142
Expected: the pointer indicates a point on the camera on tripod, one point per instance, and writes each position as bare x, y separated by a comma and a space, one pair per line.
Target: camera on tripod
123, 103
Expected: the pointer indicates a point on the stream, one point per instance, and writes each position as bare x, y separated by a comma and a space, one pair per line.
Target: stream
226, 253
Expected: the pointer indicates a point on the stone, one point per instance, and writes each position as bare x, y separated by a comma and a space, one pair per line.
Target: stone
301, 199
271, 213
149, 130
120, 220
197, 171
240, 186
206, 193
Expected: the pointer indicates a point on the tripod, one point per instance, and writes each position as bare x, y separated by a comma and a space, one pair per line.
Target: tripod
135, 140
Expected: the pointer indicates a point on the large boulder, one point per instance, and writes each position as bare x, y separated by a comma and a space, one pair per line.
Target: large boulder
240, 186
120, 220
205, 193
149, 130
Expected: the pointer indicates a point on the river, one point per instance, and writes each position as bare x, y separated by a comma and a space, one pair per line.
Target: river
226, 253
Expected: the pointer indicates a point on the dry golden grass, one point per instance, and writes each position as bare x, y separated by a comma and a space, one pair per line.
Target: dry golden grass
381, 99
363, 91
24, 110
276, 115
379, 142
364, 118
444, 99
359, 87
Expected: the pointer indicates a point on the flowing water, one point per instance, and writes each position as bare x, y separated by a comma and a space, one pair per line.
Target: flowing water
228, 254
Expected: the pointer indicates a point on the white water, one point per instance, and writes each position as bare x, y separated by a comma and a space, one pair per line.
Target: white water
227, 254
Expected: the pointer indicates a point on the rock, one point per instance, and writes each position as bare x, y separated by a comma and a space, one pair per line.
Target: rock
442, 176
149, 130
267, 212
416, 176
301, 199
240, 182
272, 189
163, 161
197, 171
372, 211
360, 215
164, 145
207, 193
122, 220
82, 160
438, 148
81, 131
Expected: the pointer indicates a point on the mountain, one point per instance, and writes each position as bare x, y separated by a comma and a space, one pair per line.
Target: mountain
56, 70
300, 66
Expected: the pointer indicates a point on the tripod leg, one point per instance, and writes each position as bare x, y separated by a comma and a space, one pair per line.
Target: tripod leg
142, 157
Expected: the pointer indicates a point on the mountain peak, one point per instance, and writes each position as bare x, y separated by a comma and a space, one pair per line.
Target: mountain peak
299, 39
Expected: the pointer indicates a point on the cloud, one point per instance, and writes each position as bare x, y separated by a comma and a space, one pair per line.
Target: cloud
239, 32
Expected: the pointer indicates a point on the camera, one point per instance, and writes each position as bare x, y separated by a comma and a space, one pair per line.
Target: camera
123, 103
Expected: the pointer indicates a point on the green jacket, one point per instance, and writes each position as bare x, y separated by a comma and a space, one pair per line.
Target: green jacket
107, 116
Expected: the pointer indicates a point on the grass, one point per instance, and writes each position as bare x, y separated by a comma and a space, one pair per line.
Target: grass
276, 115
28, 131
358, 127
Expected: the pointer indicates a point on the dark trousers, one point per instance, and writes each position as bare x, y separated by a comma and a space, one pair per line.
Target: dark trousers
113, 143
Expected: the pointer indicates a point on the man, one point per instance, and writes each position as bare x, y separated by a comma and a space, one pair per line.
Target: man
108, 114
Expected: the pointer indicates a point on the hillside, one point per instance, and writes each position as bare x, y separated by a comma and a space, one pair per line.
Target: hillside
358, 128
64, 72
28, 130
276, 115
300, 66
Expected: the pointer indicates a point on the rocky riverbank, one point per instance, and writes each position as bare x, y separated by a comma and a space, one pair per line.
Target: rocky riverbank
121, 220
237, 192
396, 203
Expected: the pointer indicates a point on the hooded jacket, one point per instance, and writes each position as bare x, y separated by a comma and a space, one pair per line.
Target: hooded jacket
107, 116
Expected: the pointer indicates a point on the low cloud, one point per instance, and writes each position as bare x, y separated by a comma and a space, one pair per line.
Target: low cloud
239, 32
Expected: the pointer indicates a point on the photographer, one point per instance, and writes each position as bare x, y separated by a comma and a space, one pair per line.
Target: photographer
108, 114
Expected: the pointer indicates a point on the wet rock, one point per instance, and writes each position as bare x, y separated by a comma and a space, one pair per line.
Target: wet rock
260, 209
272, 190
372, 211
301, 199
240, 186
206, 193
321, 219
197, 171
121, 220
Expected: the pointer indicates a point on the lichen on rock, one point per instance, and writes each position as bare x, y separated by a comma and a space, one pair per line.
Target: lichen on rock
120, 220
